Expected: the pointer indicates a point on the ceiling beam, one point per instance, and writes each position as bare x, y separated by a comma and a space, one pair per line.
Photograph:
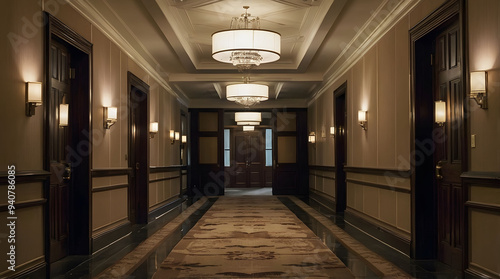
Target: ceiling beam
235, 77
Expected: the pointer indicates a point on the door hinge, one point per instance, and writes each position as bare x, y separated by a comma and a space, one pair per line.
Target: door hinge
72, 73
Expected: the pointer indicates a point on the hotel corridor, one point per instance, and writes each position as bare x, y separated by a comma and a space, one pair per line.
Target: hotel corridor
249, 236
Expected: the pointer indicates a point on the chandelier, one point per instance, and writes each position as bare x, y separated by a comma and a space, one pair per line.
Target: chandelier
245, 45
248, 118
247, 94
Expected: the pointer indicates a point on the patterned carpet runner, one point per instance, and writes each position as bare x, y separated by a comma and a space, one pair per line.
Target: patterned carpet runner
251, 237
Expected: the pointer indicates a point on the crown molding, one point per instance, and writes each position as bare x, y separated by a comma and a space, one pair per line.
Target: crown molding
334, 72
97, 20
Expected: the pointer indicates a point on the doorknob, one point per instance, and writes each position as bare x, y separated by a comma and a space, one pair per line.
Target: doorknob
438, 172
137, 166
67, 172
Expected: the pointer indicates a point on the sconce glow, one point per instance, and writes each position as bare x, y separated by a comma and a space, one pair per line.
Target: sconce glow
177, 136
110, 116
332, 131
440, 112
362, 119
184, 139
153, 129
172, 136
312, 137
33, 97
63, 115
478, 88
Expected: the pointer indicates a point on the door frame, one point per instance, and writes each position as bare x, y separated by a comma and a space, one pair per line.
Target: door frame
340, 184
79, 215
424, 243
138, 201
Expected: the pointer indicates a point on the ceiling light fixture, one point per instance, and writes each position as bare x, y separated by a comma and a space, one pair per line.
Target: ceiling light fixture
245, 45
248, 118
247, 94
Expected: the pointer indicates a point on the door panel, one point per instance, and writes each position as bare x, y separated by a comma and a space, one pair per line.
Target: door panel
449, 148
58, 141
248, 159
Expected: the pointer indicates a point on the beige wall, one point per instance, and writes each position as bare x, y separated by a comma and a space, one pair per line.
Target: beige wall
22, 143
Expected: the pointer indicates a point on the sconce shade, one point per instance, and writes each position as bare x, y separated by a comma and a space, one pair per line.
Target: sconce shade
312, 137
172, 134
177, 136
440, 112
34, 90
63, 115
478, 82
112, 113
361, 115
184, 139
248, 128
247, 117
153, 127
332, 130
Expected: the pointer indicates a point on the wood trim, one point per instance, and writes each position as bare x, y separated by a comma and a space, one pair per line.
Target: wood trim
479, 272
110, 172
35, 268
322, 168
24, 204
103, 239
109, 188
164, 179
487, 179
165, 169
483, 206
23, 177
387, 234
380, 171
322, 176
380, 186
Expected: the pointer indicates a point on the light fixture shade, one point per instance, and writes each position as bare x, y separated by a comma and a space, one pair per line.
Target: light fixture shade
361, 115
248, 128
247, 117
477, 82
177, 136
184, 139
312, 137
247, 94
172, 134
250, 123
153, 127
112, 113
63, 115
265, 44
332, 130
440, 112
34, 91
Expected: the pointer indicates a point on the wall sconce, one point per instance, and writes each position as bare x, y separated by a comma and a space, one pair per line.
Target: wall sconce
172, 136
110, 116
312, 137
177, 136
362, 119
440, 112
478, 86
33, 97
153, 129
332, 131
184, 139
63, 115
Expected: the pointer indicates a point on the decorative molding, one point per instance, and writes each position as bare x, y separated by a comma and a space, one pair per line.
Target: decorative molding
24, 204
483, 206
335, 72
98, 21
380, 171
487, 179
23, 177
110, 172
103, 237
165, 179
379, 230
35, 268
109, 188
479, 272
322, 168
380, 186
165, 169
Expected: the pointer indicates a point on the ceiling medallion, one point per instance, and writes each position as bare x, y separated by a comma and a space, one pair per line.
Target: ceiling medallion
247, 94
245, 45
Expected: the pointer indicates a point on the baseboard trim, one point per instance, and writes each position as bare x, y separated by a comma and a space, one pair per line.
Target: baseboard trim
378, 232
36, 268
323, 199
106, 238
169, 205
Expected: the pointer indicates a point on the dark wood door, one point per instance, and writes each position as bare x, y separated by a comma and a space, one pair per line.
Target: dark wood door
449, 148
139, 150
59, 139
340, 148
248, 159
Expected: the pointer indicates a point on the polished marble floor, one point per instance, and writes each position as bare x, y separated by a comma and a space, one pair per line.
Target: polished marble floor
101, 262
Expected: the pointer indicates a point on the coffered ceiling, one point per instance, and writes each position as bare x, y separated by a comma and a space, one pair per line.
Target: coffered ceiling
171, 39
